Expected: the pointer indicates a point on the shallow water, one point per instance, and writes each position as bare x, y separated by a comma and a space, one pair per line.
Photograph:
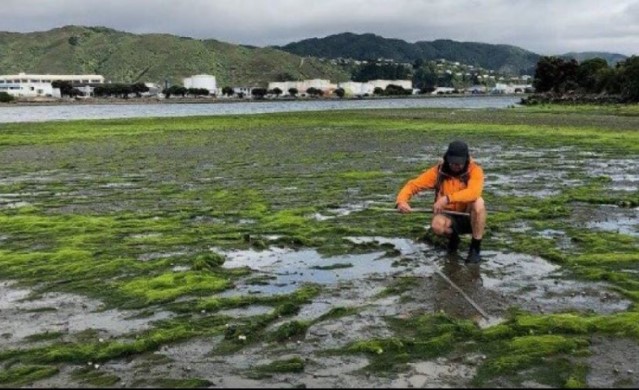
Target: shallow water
527, 281
65, 313
106, 111
292, 268
615, 219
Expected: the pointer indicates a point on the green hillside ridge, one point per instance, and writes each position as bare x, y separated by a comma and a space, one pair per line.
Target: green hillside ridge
506, 59
123, 57
127, 58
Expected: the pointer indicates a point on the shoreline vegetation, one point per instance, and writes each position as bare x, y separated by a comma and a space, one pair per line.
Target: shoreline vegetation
570, 98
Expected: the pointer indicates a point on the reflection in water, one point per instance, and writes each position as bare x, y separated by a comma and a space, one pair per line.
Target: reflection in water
461, 274
289, 268
503, 280
468, 278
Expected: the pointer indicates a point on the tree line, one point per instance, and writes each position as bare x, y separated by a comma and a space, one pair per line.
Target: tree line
102, 90
560, 79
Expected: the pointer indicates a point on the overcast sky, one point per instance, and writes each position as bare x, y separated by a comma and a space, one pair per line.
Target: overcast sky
542, 26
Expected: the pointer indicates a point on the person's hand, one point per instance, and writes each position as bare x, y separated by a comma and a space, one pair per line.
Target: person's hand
403, 207
438, 206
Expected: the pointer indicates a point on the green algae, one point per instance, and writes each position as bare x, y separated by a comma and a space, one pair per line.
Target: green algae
121, 210
556, 372
44, 336
423, 338
524, 342
400, 286
23, 375
302, 295
208, 261
619, 324
293, 330
168, 286
94, 377
525, 351
294, 365
172, 383
261, 280
337, 312
84, 351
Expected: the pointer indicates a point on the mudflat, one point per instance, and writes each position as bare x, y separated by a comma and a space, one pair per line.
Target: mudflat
255, 251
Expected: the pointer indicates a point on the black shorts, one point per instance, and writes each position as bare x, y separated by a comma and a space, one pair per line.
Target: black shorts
461, 223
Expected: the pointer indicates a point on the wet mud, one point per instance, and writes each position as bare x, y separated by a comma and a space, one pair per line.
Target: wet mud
504, 280
110, 247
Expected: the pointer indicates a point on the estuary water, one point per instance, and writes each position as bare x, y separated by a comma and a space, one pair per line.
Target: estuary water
40, 113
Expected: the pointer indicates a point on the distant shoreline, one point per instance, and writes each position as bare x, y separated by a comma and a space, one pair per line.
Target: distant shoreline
154, 101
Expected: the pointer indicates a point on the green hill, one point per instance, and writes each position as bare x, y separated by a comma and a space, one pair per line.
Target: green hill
504, 59
125, 57
501, 58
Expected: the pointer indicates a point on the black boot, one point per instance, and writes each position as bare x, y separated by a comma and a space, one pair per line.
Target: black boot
474, 252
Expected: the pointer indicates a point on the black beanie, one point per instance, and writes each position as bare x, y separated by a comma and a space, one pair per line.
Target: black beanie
457, 153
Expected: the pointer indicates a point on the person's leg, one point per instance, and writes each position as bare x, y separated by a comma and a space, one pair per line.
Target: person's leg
442, 225
477, 211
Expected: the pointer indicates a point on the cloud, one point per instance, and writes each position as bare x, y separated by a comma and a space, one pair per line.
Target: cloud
542, 26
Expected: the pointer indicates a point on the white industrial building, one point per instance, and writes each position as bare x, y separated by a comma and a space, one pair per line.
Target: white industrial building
324, 85
510, 88
36, 85
350, 87
24, 78
284, 86
354, 88
201, 81
29, 89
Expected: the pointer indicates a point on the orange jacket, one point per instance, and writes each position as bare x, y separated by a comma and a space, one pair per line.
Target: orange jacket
459, 193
